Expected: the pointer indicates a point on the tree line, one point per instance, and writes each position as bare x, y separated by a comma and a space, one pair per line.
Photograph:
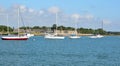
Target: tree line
61, 27
4, 28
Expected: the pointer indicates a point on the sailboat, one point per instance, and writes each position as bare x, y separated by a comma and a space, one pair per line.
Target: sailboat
55, 35
97, 35
75, 36
18, 37
27, 33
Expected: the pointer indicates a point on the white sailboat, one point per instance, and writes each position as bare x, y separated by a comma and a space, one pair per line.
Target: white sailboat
29, 34
75, 36
98, 35
18, 37
27, 30
55, 35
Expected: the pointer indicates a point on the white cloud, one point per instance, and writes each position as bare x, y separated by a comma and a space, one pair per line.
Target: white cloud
54, 9
31, 10
83, 17
89, 16
15, 6
2, 9
75, 16
23, 8
41, 12
106, 22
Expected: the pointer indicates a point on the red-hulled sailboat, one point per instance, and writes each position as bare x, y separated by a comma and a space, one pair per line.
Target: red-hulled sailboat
14, 38
17, 37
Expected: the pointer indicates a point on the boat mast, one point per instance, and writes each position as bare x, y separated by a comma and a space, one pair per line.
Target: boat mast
18, 20
102, 24
56, 23
7, 24
76, 27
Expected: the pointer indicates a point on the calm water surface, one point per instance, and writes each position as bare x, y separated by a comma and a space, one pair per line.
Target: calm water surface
38, 51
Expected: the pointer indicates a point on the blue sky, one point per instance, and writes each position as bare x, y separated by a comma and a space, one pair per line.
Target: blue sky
94, 10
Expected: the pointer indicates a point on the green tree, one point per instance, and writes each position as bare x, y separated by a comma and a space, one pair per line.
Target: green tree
23, 27
101, 31
53, 27
61, 27
4, 28
44, 28
36, 27
69, 28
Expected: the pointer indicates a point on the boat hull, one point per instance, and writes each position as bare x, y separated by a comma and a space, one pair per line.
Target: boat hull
54, 37
14, 38
29, 35
74, 37
97, 36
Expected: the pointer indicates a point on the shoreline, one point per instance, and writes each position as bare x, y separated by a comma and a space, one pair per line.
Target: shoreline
65, 34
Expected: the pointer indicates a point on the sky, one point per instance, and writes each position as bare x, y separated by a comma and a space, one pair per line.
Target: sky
84, 13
